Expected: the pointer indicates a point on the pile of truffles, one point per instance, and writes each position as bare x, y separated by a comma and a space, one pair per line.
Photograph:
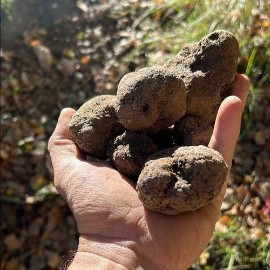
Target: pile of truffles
156, 129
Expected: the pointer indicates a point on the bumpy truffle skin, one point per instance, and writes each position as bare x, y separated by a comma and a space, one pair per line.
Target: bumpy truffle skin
190, 130
208, 70
150, 99
129, 151
95, 124
181, 179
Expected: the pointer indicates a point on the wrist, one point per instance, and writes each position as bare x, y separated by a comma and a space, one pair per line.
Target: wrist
107, 254
83, 261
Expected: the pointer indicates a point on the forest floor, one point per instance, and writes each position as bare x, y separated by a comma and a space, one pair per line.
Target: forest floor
88, 48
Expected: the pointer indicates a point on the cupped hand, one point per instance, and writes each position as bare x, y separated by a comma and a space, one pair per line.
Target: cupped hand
116, 231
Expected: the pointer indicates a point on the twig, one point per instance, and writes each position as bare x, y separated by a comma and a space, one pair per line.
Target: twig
238, 267
16, 200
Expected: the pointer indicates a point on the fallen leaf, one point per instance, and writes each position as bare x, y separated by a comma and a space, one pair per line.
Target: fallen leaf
13, 264
225, 220
12, 242
44, 56
53, 259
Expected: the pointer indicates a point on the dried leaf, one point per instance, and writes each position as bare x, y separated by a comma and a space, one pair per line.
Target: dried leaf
13, 264
12, 242
53, 259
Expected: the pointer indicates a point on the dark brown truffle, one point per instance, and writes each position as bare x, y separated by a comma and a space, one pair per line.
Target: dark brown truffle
150, 99
129, 151
95, 124
190, 130
181, 179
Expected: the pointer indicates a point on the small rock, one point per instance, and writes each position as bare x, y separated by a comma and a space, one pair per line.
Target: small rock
44, 56
66, 66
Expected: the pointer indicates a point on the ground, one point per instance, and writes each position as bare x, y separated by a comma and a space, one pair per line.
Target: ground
57, 54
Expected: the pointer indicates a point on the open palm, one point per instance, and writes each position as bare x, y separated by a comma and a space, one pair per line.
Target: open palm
111, 220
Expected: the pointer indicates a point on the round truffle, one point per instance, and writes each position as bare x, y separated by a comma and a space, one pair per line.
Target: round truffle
95, 124
150, 99
129, 151
190, 130
181, 179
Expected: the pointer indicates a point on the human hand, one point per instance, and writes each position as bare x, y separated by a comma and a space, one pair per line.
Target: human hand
116, 231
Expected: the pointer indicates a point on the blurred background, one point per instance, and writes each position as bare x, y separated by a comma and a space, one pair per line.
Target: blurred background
59, 53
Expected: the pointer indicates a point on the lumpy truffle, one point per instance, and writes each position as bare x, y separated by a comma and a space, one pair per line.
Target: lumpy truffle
150, 99
95, 124
181, 179
129, 151
208, 70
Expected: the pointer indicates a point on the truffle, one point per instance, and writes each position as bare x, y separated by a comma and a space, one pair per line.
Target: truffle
129, 151
181, 179
150, 99
95, 124
190, 130
208, 69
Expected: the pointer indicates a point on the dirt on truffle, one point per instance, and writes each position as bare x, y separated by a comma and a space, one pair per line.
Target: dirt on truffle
208, 69
181, 179
129, 151
95, 124
150, 99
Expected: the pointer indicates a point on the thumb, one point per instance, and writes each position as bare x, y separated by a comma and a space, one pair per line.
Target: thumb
61, 146
228, 121
227, 128
227, 125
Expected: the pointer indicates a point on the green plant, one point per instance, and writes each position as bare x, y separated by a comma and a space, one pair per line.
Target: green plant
239, 245
6, 7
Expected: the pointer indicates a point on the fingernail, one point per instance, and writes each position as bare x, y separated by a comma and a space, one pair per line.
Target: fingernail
66, 112
61, 114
